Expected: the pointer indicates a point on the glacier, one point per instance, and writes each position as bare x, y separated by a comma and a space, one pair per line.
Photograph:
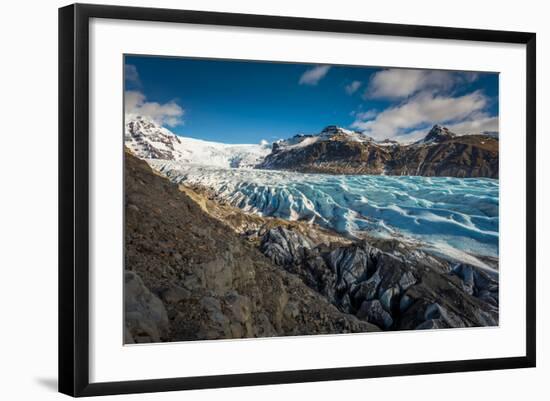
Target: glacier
457, 218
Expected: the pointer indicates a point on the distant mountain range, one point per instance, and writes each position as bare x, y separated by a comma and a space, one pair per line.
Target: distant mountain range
339, 151
334, 150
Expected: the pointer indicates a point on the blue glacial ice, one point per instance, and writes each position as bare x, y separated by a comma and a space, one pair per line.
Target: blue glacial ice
457, 217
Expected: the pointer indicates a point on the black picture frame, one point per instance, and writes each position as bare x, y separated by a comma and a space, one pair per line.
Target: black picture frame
74, 198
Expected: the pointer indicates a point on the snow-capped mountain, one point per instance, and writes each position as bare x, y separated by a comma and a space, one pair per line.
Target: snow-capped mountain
148, 140
437, 134
336, 150
332, 132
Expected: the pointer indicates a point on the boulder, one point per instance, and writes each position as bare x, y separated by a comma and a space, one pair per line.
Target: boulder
435, 311
145, 315
389, 299
216, 325
407, 280
218, 273
373, 312
175, 294
479, 283
239, 307
405, 302
367, 290
284, 246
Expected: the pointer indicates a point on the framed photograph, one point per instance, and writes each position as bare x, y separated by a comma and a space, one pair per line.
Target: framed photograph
249, 199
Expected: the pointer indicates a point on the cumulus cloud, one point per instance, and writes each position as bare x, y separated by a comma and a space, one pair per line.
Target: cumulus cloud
412, 136
353, 87
314, 75
366, 115
424, 108
402, 83
131, 74
477, 124
169, 113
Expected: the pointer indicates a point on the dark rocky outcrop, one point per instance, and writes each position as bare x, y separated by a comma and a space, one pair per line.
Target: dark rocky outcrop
402, 290
440, 153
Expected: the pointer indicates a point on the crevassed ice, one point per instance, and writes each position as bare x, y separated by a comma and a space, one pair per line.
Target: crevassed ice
452, 215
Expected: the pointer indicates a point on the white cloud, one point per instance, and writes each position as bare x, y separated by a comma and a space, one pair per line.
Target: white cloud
353, 87
412, 136
314, 75
169, 113
425, 108
131, 74
366, 115
477, 124
402, 83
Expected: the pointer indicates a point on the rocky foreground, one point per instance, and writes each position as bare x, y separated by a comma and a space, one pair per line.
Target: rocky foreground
196, 269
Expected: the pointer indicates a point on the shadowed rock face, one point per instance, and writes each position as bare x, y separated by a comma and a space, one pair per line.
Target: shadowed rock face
465, 156
190, 276
146, 318
402, 290
440, 153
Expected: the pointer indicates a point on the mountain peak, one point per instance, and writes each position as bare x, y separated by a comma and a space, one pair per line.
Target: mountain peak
148, 140
335, 130
438, 133
141, 120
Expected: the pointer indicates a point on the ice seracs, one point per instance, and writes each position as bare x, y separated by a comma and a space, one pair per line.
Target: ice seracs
424, 209
148, 140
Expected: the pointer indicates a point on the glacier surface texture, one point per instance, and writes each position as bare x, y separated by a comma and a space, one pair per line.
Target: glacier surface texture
454, 217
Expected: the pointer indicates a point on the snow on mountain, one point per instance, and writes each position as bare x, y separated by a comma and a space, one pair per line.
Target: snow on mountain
332, 132
439, 134
339, 151
436, 135
388, 142
148, 140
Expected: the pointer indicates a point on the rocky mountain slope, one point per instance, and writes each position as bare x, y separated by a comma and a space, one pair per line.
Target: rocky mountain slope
196, 269
189, 276
339, 151
148, 140
362, 276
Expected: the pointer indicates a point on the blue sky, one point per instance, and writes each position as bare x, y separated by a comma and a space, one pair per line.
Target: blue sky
246, 102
